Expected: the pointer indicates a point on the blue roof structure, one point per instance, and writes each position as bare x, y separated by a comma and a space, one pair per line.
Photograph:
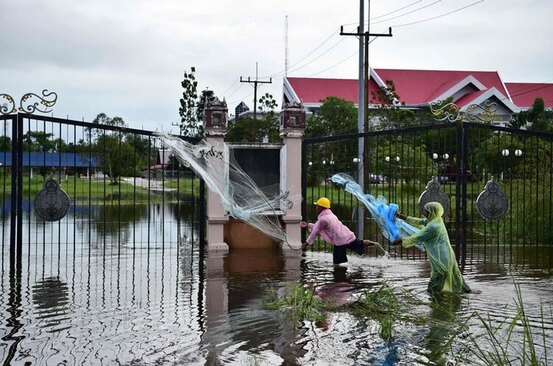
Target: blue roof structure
51, 160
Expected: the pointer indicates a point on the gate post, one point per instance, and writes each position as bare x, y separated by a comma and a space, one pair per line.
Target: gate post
215, 125
292, 126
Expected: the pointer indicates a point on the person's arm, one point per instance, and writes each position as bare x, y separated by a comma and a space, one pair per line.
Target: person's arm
425, 234
315, 229
415, 221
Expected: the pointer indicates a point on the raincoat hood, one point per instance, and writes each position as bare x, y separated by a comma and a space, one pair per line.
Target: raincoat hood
435, 210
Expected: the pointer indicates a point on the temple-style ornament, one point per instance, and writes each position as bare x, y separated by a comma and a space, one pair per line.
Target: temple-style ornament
492, 204
215, 117
434, 193
51, 203
292, 116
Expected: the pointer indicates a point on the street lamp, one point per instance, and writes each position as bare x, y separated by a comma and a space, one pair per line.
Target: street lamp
518, 152
505, 152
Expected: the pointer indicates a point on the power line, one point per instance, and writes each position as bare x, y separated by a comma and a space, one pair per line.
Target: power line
439, 16
410, 12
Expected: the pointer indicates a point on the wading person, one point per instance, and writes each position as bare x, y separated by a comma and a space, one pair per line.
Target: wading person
334, 232
445, 275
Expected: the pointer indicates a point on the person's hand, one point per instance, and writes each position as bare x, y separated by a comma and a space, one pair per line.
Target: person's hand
398, 241
304, 246
303, 224
399, 215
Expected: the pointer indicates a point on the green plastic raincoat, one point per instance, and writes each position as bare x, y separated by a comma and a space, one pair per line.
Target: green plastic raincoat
445, 275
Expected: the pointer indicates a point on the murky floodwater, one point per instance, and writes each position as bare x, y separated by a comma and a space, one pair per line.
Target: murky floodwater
163, 302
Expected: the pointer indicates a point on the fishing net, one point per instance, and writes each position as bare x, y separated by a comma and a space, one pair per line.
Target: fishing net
240, 196
383, 214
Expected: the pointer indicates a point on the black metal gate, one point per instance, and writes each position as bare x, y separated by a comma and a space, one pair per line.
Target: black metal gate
122, 189
463, 156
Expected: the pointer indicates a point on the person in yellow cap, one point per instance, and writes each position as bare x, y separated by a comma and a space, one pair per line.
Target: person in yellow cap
445, 275
334, 232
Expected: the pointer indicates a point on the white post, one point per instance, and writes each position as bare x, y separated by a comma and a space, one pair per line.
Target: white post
292, 128
215, 124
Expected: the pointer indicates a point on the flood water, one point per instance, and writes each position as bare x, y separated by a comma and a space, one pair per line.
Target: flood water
121, 291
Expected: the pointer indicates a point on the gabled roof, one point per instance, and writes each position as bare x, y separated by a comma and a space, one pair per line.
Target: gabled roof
481, 96
416, 87
311, 91
524, 94
54, 160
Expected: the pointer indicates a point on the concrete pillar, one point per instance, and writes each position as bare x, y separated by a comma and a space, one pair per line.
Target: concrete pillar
292, 126
215, 126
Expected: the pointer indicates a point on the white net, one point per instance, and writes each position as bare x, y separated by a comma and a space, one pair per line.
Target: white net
240, 196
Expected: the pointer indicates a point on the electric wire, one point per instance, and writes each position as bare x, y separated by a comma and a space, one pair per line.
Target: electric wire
438, 16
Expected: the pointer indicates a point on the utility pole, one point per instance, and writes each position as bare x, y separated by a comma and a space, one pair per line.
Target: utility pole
255, 83
364, 96
365, 37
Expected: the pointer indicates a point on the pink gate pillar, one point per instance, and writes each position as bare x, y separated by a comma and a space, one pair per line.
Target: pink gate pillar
292, 126
215, 126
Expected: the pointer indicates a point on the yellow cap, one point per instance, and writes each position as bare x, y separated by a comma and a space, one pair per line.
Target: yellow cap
323, 202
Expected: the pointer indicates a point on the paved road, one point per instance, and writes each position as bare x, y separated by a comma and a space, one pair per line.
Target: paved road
152, 184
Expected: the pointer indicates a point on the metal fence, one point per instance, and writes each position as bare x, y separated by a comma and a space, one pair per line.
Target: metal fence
121, 196
398, 164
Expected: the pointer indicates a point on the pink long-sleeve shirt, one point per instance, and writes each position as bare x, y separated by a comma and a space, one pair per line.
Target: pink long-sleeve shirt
331, 229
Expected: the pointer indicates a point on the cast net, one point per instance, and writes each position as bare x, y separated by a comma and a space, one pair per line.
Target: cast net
383, 214
240, 196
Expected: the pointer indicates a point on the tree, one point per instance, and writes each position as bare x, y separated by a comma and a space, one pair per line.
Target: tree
389, 114
5, 143
189, 124
115, 154
206, 97
335, 117
38, 141
536, 118
250, 130
267, 103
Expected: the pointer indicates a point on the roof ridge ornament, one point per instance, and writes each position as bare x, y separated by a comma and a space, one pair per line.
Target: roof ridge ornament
29, 103
442, 110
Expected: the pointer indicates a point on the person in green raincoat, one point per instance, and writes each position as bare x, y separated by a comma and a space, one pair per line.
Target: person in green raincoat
445, 275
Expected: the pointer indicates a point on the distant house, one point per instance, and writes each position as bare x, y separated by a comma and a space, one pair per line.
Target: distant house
417, 89
239, 110
69, 163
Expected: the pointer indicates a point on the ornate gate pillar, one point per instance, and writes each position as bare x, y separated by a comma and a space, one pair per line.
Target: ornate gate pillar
292, 126
215, 126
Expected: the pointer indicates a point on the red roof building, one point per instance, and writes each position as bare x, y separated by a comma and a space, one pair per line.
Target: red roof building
419, 88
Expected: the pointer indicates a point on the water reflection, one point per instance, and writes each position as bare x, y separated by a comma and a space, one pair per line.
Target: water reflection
50, 294
442, 320
168, 302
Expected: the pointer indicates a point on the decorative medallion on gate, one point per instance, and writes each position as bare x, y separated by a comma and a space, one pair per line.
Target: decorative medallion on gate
51, 203
492, 204
434, 193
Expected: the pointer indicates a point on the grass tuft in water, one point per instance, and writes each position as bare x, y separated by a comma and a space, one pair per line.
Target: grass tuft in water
382, 305
497, 346
301, 304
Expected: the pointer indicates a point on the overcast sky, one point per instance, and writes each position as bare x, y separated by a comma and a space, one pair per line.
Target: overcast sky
126, 58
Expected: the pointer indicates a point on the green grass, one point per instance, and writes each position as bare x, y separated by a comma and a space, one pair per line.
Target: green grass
184, 185
501, 349
495, 346
301, 304
83, 190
